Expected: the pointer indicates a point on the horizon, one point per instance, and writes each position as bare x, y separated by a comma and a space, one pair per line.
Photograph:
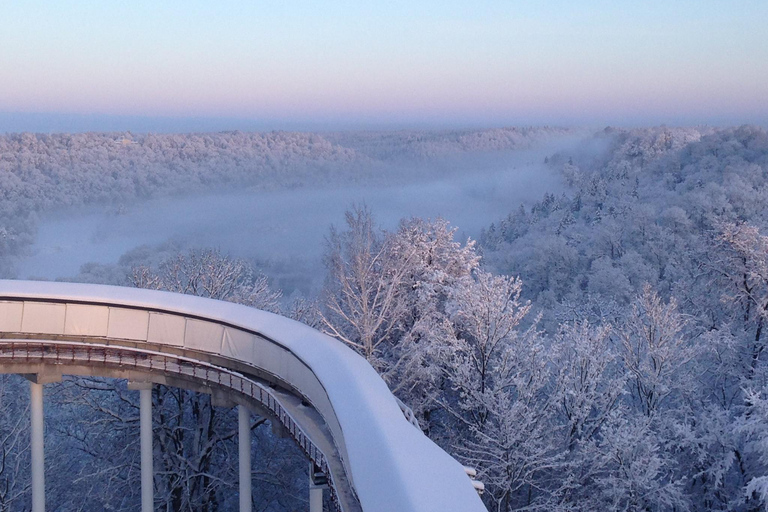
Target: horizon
53, 123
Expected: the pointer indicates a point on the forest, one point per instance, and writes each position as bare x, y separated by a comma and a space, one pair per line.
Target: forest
600, 347
45, 173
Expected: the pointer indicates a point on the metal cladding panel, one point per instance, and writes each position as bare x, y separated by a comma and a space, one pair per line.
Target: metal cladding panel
166, 329
43, 318
307, 382
128, 324
10, 316
86, 320
205, 336
238, 344
271, 357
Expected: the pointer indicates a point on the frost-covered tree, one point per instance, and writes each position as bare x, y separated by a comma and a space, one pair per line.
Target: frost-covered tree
14, 445
486, 313
501, 395
635, 471
386, 295
436, 265
211, 274
754, 427
655, 352
364, 304
589, 381
743, 268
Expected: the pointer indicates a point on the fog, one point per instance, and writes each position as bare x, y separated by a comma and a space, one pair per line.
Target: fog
277, 226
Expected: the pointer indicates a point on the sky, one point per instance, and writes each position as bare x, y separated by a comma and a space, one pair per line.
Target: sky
175, 65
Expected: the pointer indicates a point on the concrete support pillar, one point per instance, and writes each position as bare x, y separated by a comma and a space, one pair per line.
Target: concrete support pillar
315, 498
244, 440
38, 456
147, 471
317, 482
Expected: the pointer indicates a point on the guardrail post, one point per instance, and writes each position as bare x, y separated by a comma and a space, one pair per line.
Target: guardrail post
38, 456
244, 447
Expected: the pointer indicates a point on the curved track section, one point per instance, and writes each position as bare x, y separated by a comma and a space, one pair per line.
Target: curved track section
327, 397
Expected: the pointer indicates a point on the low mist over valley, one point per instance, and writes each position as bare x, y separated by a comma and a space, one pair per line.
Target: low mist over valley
267, 197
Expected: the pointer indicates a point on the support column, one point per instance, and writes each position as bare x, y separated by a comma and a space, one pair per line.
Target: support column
315, 498
244, 440
317, 482
147, 471
38, 456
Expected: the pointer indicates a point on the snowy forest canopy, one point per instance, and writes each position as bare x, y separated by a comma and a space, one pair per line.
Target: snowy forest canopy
600, 349
44, 173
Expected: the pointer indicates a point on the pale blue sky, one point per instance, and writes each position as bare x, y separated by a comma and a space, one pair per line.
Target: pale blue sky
344, 63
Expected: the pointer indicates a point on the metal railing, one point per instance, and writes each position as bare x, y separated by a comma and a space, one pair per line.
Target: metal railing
70, 353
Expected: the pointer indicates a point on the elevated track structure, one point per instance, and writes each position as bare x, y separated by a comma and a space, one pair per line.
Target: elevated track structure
363, 445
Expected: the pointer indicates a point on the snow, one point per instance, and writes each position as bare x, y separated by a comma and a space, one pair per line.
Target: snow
394, 466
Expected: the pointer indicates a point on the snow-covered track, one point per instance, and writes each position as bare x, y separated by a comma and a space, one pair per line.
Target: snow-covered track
325, 396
